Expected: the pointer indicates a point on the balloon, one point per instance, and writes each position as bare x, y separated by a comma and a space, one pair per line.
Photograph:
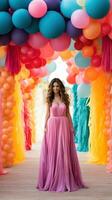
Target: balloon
73, 31
81, 61
83, 90
80, 19
52, 25
71, 79
67, 7
97, 8
5, 39
34, 27
5, 23
85, 40
2, 61
105, 29
19, 4
88, 51
4, 5
47, 51
52, 5
51, 67
79, 78
90, 74
78, 45
37, 8
37, 40
21, 18
61, 43
19, 36
96, 61
81, 2
93, 30
66, 55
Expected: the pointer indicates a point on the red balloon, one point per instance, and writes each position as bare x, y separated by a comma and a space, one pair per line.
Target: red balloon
78, 45
29, 66
24, 59
85, 41
105, 29
37, 63
96, 60
43, 62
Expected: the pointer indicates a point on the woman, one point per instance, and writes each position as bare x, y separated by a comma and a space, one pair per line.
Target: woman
59, 168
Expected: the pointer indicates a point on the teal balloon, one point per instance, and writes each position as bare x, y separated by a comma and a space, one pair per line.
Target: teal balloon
97, 8
68, 7
52, 25
17, 4
71, 47
83, 90
34, 27
4, 5
21, 18
2, 61
81, 61
51, 67
5, 22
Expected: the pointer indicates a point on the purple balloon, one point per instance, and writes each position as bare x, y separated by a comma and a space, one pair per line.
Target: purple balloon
53, 4
73, 31
5, 39
19, 36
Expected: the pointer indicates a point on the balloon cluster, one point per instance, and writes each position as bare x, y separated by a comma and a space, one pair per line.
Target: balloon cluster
36, 25
7, 87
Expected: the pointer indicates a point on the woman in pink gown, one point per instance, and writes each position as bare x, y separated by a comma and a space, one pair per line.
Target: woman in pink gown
59, 167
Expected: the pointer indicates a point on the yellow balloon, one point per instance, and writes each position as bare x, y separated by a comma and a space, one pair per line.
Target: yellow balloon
66, 55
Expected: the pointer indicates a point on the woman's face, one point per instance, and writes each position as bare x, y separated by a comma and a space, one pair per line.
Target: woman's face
56, 88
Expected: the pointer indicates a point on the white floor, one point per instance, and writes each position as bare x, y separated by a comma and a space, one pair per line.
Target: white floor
20, 182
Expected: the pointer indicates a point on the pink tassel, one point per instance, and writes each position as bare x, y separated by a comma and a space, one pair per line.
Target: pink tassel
13, 60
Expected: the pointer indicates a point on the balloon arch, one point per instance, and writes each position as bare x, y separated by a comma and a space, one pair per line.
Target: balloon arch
33, 33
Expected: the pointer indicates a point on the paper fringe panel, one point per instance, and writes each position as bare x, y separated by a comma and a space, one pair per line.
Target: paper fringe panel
108, 123
18, 132
98, 139
80, 120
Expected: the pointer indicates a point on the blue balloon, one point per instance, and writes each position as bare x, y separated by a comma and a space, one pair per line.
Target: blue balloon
17, 4
51, 67
5, 23
97, 8
34, 27
81, 61
73, 31
52, 4
21, 18
2, 61
4, 5
83, 90
68, 7
19, 36
52, 25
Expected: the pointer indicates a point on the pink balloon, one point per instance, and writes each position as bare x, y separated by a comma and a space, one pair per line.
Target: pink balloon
80, 19
47, 51
37, 40
38, 73
79, 78
37, 8
61, 43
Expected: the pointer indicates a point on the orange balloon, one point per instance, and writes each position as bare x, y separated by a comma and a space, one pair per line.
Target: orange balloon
93, 30
90, 74
4, 74
6, 86
4, 138
10, 79
74, 70
71, 79
88, 51
47, 51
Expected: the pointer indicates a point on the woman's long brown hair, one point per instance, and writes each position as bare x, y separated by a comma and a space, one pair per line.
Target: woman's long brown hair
63, 94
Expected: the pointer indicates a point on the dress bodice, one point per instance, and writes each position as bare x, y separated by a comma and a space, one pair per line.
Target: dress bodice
58, 110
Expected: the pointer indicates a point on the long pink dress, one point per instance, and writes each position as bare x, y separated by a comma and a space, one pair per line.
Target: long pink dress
59, 167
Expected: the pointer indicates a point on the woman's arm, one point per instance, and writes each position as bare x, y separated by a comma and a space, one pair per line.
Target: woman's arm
47, 116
